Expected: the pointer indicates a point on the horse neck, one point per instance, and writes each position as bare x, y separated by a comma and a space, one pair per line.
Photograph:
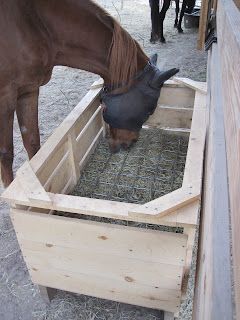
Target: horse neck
82, 37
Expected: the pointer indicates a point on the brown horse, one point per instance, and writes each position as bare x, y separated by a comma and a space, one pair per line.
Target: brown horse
37, 35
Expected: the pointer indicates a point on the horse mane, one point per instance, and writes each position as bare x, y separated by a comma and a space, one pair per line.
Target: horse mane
123, 56
124, 51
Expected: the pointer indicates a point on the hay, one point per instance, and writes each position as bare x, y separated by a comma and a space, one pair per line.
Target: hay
151, 169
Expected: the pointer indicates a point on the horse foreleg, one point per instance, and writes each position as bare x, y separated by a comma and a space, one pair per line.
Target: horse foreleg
162, 14
184, 5
6, 140
154, 4
177, 13
27, 114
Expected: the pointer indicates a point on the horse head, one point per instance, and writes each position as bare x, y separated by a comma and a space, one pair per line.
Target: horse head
125, 112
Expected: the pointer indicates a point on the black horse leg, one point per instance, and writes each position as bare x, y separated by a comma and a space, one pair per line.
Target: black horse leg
154, 4
184, 5
162, 14
177, 12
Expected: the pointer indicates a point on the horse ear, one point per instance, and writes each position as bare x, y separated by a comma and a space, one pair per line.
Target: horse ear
153, 59
164, 76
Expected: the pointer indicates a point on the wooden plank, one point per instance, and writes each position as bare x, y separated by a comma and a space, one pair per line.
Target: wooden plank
97, 84
66, 254
31, 186
228, 21
203, 24
192, 181
77, 119
195, 85
196, 145
72, 146
171, 117
176, 96
92, 263
168, 203
119, 241
60, 153
88, 134
213, 290
60, 176
126, 292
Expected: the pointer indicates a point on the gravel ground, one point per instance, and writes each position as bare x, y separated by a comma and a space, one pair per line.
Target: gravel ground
19, 298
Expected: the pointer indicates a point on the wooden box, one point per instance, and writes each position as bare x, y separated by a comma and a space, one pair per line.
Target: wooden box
127, 264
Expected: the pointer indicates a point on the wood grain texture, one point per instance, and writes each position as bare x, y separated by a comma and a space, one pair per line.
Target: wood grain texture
213, 294
101, 258
203, 24
228, 21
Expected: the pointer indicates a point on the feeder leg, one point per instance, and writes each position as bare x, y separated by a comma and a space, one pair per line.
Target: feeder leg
168, 315
47, 293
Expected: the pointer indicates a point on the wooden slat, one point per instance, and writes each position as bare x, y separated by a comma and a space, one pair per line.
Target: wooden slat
203, 24
192, 180
228, 22
72, 146
117, 240
213, 293
60, 176
88, 134
176, 96
126, 292
60, 152
73, 255
196, 145
168, 203
91, 263
77, 119
195, 85
170, 117
31, 186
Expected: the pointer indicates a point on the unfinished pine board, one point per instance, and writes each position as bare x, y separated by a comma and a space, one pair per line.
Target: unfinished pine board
171, 117
228, 20
113, 257
132, 257
213, 296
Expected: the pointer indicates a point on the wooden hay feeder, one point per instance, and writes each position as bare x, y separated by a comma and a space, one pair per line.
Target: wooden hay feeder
132, 265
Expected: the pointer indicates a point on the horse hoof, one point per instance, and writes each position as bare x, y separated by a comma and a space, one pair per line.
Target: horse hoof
180, 30
162, 39
154, 38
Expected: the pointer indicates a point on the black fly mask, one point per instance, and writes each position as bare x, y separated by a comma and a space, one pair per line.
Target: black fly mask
129, 110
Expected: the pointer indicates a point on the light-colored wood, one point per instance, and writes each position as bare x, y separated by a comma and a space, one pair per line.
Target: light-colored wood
170, 117
181, 217
131, 257
47, 293
122, 291
83, 261
72, 145
87, 135
192, 181
77, 118
123, 263
213, 289
196, 145
31, 186
60, 176
196, 85
168, 316
77, 233
169, 202
228, 22
176, 96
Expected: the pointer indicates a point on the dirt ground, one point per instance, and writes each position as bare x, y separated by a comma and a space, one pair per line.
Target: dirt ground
19, 298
